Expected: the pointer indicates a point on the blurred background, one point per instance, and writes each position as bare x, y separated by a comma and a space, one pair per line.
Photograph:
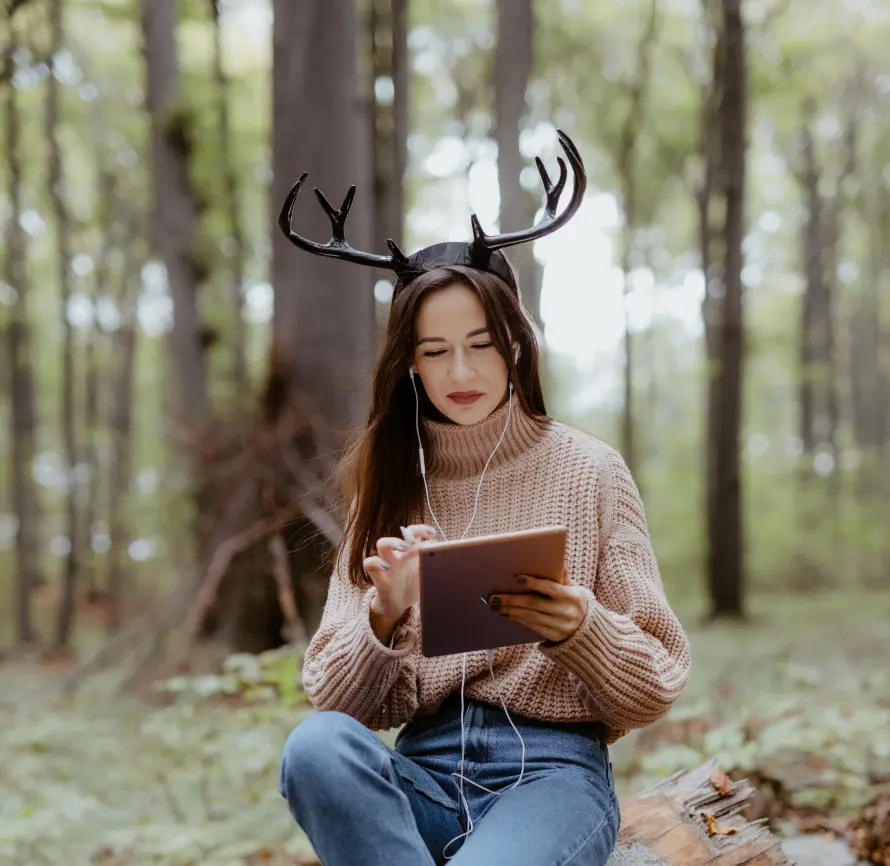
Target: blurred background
178, 378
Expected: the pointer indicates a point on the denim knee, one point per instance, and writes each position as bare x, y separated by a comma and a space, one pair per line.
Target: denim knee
316, 750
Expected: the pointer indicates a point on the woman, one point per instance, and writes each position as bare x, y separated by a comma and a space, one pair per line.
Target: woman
503, 757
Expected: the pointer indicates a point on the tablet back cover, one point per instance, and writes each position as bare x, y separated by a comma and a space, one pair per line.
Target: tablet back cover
454, 580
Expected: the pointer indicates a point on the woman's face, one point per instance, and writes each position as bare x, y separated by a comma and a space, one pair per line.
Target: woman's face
462, 372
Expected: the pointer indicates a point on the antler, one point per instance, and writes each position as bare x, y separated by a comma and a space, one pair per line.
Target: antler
337, 247
484, 244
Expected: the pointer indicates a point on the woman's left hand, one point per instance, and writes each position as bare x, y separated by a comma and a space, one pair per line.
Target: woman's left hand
555, 614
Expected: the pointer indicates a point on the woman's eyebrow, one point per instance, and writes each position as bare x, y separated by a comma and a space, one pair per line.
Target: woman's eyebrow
477, 332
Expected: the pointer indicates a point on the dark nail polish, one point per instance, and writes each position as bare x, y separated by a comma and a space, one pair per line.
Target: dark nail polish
520, 579
486, 597
384, 566
495, 603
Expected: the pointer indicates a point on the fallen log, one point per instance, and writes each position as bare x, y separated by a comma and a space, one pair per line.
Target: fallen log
692, 818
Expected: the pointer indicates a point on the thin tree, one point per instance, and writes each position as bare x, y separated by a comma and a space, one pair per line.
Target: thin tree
725, 530
174, 218
627, 163
513, 62
58, 194
231, 189
120, 421
389, 59
818, 382
18, 342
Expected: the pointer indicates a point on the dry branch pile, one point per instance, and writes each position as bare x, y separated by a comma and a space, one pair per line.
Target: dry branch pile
265, 531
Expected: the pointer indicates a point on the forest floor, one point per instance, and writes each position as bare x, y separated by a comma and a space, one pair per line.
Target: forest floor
798, 700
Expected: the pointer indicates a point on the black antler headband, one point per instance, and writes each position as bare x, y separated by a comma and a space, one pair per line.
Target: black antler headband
482, 253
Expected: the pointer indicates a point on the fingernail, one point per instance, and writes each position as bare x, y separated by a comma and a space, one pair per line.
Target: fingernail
520, 579
486, 597
495, 603
402, 545
384, 566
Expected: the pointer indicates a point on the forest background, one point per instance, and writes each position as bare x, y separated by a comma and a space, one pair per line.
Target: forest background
178, 378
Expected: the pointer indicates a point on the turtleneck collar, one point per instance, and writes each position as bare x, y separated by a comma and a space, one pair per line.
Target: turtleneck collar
462, 450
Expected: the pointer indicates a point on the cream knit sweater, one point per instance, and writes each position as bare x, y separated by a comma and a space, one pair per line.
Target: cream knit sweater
624, 666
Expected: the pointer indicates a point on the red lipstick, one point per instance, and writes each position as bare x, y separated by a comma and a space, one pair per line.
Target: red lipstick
465, 398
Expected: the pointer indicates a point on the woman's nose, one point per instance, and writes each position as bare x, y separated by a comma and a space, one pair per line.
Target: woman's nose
461, 368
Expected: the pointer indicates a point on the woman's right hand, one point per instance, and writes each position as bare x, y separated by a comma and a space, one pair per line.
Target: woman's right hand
394, 573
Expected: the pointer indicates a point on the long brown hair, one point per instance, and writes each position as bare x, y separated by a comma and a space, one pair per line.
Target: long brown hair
380, 471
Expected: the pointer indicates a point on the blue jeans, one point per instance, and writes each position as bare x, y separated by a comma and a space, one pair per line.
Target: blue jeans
364, 804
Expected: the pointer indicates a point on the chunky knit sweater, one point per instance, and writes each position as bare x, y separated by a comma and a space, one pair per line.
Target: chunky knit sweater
626, 663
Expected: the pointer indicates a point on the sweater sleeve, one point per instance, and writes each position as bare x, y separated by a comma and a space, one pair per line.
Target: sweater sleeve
348, 669
630, 655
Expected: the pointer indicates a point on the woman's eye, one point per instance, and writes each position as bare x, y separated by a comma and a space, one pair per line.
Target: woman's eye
483, 345
434, 353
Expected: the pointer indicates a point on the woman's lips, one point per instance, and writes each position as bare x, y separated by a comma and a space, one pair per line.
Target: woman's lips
465, 398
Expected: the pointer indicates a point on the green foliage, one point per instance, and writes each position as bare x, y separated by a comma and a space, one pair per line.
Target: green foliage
798, 701
269, 678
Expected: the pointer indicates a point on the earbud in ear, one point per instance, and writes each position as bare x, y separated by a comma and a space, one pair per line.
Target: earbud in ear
411, 372
516, 355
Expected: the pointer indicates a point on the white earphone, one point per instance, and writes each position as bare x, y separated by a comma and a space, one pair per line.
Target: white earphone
490, 653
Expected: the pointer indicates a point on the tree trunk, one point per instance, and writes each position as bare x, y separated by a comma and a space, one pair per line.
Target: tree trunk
174, 223
120, 423
93, 421
628, 144
813, 290
323, 323
59, 193
815, 366
870, 415
514, 57
712, 270
21, 376
727, 557
238, 338
820, 476
389, 34
869, 385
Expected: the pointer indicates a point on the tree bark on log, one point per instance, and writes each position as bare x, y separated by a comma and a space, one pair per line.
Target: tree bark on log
687, 820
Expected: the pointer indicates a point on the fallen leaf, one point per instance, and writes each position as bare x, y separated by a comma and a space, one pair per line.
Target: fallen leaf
714, 828
721, 782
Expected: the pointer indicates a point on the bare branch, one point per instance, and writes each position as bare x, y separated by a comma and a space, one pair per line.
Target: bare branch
222, 559
293, 631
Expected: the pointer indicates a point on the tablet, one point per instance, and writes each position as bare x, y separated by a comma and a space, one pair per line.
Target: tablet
455, 577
